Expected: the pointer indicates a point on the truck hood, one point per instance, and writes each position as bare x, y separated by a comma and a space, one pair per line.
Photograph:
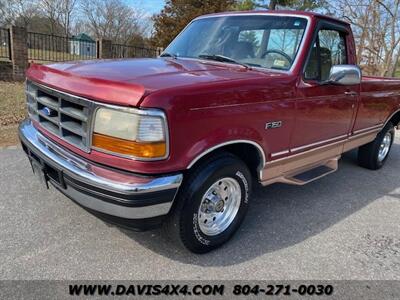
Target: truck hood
128, 81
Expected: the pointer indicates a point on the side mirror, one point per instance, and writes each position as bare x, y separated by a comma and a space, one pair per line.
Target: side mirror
345, 75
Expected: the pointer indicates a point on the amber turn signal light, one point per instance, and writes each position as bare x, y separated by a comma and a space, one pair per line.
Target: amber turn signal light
129, 148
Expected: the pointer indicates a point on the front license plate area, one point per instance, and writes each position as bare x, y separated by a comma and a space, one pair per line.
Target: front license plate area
39, 173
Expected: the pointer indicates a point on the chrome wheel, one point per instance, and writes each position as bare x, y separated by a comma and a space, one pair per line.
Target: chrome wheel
385, 146
219, 206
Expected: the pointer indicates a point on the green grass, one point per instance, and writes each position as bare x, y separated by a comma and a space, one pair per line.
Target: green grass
12, 111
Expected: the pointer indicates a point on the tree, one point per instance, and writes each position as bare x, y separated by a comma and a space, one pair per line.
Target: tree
294, 4
47, 16
112, 19
21, 10
50, 9
376, 27
40, 23
245, 5
176, 14
67, 10
59, 12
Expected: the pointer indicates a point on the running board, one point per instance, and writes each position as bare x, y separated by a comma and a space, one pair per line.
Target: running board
307, 175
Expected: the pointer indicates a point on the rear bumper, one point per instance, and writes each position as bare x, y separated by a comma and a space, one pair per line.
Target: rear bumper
118, 196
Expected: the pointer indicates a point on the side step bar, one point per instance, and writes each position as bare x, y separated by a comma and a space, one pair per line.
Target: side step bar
308, 174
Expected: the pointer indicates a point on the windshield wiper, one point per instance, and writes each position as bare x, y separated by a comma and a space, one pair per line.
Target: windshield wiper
278, 68
166, 54
223, 58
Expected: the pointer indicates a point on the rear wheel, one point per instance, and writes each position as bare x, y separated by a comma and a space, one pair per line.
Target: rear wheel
211, 204
373, 155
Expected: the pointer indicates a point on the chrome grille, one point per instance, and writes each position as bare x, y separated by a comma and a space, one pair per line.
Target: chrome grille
65, 115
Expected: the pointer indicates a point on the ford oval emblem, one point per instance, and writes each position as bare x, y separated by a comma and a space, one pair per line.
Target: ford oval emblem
46, 111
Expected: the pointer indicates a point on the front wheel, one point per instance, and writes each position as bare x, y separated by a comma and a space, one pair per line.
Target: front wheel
373, 155
212, 203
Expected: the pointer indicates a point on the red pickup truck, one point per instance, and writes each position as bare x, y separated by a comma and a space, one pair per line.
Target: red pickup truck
236, 99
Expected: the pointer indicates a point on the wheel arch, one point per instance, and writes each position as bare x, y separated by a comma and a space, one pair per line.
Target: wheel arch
244, 149
394, 118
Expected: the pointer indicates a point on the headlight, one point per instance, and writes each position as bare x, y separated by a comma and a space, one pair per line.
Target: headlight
133, 133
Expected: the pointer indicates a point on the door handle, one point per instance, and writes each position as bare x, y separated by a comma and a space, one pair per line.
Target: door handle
351, 93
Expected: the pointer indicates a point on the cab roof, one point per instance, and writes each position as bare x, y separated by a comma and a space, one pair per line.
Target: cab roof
276, 12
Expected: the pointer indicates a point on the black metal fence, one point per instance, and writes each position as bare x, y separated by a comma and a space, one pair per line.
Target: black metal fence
5, 44
125, 51
53, 48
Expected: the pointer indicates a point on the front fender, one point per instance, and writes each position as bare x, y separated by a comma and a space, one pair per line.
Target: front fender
223, 137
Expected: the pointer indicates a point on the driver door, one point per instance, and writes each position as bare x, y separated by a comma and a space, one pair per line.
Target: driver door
324, 112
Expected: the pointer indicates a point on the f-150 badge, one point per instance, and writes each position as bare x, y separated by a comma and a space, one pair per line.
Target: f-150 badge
272, 125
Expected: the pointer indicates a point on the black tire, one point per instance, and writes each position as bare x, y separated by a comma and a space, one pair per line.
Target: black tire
183, 225
368, 155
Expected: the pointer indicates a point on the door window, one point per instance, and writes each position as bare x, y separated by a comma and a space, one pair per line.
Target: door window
328, 50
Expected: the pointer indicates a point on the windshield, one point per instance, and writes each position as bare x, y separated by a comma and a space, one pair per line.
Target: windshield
263, 41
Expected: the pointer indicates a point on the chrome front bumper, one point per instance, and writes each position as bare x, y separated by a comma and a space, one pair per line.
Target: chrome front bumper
100, 189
